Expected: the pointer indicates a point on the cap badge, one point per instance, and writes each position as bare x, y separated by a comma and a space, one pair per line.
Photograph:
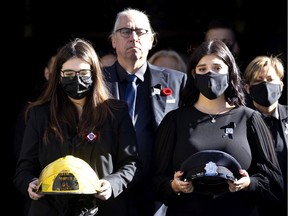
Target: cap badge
211, 169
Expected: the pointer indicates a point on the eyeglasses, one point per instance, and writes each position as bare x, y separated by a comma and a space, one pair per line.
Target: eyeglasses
126, 32
72, 73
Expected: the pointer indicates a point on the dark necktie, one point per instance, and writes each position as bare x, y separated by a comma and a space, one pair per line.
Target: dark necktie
130, 94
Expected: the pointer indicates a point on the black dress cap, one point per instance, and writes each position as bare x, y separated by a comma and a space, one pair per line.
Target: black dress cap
209, 170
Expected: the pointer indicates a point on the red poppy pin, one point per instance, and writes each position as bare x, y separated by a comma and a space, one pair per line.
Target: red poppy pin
166, 91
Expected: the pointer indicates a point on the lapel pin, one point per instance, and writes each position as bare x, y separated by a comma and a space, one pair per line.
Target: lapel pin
91, 137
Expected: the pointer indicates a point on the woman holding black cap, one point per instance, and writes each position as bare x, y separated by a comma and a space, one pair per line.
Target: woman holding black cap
213, 116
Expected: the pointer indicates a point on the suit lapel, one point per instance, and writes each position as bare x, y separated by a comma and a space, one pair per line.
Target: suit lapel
159, 80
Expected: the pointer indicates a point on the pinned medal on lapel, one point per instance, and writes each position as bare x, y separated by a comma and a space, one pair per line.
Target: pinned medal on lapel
91, 137
164, 92
229, 130
156, 90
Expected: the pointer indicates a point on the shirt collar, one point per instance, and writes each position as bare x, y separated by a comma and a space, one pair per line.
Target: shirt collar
275, 114
139, 73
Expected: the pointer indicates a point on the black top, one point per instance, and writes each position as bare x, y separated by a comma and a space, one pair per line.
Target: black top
241, 133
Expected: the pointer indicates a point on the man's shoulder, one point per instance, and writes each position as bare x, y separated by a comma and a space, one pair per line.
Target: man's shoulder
110, 73
171, 72
109, 69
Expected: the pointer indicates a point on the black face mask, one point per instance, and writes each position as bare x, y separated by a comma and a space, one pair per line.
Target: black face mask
211, 84
265, 93
77, 87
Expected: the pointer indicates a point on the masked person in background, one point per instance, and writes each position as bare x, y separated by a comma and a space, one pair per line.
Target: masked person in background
213, 117
264, 84
75, 116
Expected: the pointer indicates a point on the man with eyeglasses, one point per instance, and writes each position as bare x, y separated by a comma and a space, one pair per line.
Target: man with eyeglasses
158, 92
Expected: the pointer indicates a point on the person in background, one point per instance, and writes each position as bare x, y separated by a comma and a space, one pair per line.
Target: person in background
47, 69
213, 116
169, 59
224, 30
263, 79
158, 91
20, 126
20, 122
76, 116
107, 57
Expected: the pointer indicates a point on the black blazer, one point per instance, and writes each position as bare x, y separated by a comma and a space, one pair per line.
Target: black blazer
160, 78
114, 157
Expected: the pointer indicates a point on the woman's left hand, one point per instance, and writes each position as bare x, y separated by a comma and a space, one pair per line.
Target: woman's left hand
106, 190
240, 184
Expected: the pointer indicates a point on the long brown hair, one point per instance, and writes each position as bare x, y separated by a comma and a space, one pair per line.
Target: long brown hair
97, 107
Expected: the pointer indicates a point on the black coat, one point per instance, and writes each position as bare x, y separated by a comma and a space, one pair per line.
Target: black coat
114, 157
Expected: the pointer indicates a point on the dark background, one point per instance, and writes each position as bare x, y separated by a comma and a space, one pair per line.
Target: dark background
34, 29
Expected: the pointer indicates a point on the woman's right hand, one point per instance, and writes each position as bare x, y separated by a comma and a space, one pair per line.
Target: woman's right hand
181, 186
32, 190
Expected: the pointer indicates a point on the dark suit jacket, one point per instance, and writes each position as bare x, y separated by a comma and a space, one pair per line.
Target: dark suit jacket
152, 105
268, 209
160, 77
